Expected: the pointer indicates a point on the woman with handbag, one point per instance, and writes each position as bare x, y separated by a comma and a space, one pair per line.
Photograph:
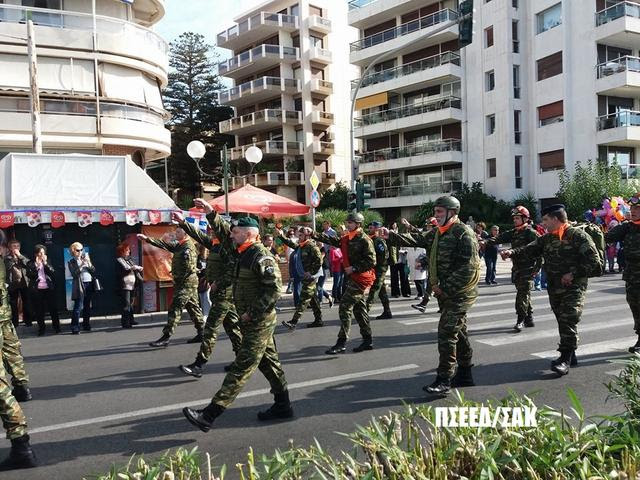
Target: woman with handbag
130, 276
42, 286
84, 286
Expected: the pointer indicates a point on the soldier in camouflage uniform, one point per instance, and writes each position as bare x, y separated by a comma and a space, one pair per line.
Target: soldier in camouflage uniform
256, 289
219, 274
14, 362
307, 259
524, 268
382, 263
185, 281
359, 260
454, 270
570, 257
628, 233
13, 419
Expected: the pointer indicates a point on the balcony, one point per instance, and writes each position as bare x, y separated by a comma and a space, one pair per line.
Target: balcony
327, 178
413, 34
319, 24
620, 129
321, 87
439, 152
270, 148
260, 120
260, 25
320, 55
260, 58
322, 118
263, 88
74, 30
619, 77
435, 70
268, 179
323, 148
440, 111
619, 25
411, 194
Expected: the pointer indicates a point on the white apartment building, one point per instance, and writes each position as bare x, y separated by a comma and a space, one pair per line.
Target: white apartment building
291, 74
545, 84
99, 77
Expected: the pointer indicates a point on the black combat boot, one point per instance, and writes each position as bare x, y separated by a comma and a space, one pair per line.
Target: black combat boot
463, 377
339, 347
367, 344
563, 363
20, 456
315, 324
385, 315
440, 386
163, 341
281, 408
291, 325
421, 307
194, 369
22, 393
203, 419
197, 338
124, 321
574, 360
636, 347
528, 321
519, 324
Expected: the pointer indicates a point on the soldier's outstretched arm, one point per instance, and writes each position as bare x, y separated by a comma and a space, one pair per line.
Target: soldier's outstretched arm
616, 234
504, 237
287, 241
404, 239
532, 250
328, 239
197, 234
156, 242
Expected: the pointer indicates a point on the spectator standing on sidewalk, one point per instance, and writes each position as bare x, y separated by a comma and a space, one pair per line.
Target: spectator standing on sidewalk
491, 256
18, 281
83, 287
130, 276
43, 294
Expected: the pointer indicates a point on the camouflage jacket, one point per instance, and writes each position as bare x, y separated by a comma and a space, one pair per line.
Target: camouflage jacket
184, 264
520, 238
382, 253
361, 253
5, 307
575, 253
309, 254
629, 234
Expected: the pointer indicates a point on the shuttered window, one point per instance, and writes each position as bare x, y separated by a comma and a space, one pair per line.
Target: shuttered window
550, 66
550, 113
553, 160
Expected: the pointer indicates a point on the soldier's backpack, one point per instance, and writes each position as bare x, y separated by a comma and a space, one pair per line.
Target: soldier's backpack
598, 239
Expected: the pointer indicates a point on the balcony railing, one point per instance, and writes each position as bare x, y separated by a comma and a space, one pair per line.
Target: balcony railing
328, 177
405, 29
353, 4
325, 148
618, 65
413, 150
408, 69
408, 111
622, 9
261, 116
319, 53
318, 116
268, 178
319, 22
248, 57
271, 83
262, 18
411, 189
269, 147
626, 118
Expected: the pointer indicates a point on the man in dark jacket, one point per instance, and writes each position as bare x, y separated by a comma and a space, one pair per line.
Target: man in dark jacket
16, 266
382, 263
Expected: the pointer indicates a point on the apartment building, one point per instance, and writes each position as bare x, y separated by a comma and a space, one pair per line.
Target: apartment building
99, 76
291, 72
543, 85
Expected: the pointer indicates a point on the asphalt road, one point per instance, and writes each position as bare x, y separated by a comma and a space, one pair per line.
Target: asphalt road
102, 396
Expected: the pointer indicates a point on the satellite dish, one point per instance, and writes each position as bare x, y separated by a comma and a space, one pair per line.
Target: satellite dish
196, 149
253, 154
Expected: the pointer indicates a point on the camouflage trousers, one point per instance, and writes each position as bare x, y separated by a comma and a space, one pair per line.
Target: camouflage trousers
184, 297
454, 347
633, 299
378, 288
567, 304
12, 355
257, 350
308, 294
353, 303
222, 311
13, 420
524, 284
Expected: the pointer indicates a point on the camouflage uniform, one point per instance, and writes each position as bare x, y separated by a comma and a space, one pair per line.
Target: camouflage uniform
362, 258
311, 263
576, 254
185, 280
382, 264
12, 355
219, 274
629, 234
523, 269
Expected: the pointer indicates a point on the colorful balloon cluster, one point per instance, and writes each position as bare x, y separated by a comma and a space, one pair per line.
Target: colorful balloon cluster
613, 209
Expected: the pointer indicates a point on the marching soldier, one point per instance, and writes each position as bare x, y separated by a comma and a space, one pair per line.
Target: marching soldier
524, 268
306, 260
570, 257
629, 234
358, 257
256, 289
219, 274
382, 263
185, 280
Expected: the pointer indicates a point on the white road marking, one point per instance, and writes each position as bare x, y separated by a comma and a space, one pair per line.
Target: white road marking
616, 345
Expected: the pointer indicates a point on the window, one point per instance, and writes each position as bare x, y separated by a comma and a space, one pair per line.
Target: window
488, 37
491, 167
518, 170
295, 10
553, 160
491, 124
517, 114
516, 81
490, 80
514, 36
514, 3
549, 18
549, 66
316, 41
550, 113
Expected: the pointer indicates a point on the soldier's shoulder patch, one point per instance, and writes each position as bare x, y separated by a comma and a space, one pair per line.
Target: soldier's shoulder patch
380, 247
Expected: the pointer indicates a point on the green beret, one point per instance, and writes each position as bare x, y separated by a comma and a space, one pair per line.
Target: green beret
246, 222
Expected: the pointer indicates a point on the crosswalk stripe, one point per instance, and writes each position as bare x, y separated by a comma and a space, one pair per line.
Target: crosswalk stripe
615, 345
615, 373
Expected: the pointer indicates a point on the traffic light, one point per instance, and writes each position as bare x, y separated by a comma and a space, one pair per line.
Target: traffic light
465, 23
352, 201
363, 191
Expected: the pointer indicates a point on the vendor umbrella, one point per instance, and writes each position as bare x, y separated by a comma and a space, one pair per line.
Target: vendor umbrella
254, 200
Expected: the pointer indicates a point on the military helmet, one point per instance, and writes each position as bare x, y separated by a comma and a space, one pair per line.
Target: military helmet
520, 210
449, 202
355, 217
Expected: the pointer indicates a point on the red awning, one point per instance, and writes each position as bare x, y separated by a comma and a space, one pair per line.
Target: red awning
250, 199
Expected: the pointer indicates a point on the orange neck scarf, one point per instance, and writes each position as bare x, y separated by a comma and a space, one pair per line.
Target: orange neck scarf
245, 245
522, 227
183, 241
352, 235
215, 241
444, 229
561, 231
302, 244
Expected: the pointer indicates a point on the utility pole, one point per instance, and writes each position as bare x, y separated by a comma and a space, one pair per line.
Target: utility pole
36, 127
